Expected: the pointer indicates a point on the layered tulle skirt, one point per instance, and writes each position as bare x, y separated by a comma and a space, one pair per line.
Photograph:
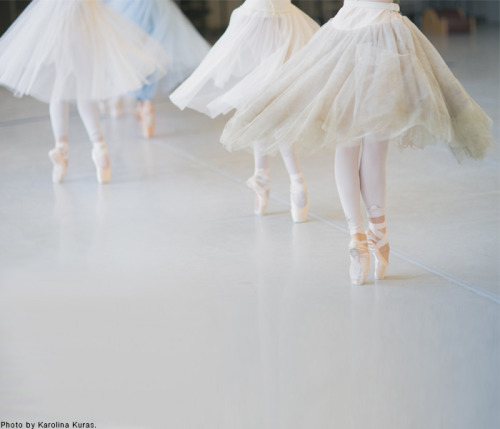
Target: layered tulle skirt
261, 36
367, 71
164, 21
77, 49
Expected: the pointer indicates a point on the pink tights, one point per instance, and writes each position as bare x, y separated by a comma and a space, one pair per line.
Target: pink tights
360, 173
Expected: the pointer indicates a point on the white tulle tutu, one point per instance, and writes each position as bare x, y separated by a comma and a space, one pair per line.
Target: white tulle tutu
262, 34
76, 49
164, 21
369, 70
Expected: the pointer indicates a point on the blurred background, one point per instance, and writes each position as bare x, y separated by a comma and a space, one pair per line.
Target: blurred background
212, 16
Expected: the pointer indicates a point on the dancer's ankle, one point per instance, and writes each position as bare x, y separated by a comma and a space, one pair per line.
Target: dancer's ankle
62, 144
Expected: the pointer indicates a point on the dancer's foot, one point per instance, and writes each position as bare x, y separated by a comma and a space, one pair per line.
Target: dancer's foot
260, 184
145, 113
299, 202
102, 105
101, 161
360, 259
115, 107
379, 246
59, 158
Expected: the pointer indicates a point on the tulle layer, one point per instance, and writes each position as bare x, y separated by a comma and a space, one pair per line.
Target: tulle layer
79, 49
366, 71
164, 21
257, 41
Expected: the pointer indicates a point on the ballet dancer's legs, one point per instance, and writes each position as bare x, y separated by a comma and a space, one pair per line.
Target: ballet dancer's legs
373, 177
59, 111
373, 184
259, 182
299, 202
348, 187
114, 105
90, 117
145, 109
360, 171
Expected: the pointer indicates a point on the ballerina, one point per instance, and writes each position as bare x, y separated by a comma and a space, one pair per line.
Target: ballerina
60, 51
186, 48
367, 78
261, 36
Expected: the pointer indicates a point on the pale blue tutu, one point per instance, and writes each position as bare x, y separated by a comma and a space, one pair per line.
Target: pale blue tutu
164, 21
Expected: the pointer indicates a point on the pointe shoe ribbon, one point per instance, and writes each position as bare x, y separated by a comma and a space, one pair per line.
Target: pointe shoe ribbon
298, 186
101, 161
360, 261
376, 241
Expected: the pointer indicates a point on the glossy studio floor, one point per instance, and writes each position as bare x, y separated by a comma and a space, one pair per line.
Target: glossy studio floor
160, 300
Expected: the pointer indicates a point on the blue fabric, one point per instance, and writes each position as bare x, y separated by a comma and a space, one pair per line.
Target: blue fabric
147, 92
164, 22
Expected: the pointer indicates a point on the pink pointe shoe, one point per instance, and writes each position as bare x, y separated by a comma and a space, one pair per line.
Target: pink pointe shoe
299, 201
101, 161
146, 114
360, 260
378, 244
59, 158
261, 186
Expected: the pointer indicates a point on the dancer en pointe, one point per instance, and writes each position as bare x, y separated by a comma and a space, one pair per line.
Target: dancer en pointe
261, 36
60, 51
186, 48
366, 79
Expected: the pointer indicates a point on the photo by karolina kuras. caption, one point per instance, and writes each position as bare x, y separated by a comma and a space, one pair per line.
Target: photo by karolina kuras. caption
46, 425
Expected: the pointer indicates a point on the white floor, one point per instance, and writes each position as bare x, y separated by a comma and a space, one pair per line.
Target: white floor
160, 301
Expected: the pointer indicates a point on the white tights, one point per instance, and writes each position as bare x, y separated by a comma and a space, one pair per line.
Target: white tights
292, 165
59, 112
360, 172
